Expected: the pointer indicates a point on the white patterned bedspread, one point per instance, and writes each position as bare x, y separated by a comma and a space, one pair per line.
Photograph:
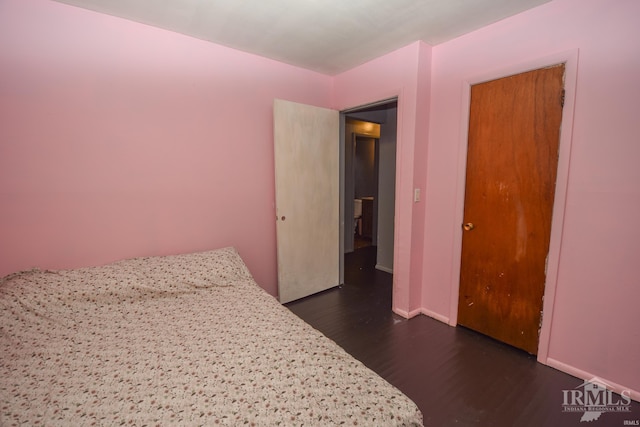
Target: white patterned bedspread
185, 340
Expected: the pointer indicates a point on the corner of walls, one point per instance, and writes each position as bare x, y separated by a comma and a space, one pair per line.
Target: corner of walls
396, 75
119, 140
422, 120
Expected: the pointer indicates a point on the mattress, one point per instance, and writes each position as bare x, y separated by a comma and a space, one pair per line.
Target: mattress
187, 340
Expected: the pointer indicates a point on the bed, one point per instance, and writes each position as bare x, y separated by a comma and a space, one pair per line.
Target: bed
187, 340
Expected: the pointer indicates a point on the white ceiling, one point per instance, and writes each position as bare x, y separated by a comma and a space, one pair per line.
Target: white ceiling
328, 36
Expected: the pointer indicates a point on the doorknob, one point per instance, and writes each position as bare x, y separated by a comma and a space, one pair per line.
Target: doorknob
468, 226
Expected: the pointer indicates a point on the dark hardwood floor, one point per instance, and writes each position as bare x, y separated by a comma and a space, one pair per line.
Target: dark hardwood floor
457, 377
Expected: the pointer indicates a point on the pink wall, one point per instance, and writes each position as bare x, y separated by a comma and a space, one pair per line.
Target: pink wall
405, 74
595, 316
122, 140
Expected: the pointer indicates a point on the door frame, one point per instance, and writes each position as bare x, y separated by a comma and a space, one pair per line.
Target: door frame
570, 59
342, 166
376, 148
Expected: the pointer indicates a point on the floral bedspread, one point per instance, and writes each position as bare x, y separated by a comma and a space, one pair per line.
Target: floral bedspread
185, 340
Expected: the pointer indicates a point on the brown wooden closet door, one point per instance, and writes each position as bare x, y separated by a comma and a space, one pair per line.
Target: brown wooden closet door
514, 130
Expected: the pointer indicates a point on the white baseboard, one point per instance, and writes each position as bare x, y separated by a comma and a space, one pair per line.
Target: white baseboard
584, 375
401, 313
407, 314
434, 315
383, 268
417, 311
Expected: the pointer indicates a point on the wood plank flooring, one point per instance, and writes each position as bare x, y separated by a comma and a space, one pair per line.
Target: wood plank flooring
457, 377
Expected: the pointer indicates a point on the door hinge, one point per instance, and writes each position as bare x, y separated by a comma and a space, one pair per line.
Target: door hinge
562, 94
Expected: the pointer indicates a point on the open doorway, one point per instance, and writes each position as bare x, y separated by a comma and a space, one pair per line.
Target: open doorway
362, 168
369, 182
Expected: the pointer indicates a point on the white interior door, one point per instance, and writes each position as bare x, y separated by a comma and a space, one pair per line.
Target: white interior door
307, 198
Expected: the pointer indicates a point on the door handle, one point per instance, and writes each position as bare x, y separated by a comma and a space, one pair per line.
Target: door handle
468, 226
